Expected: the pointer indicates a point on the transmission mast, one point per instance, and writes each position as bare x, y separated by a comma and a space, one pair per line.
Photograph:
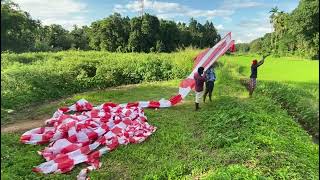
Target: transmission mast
141, 10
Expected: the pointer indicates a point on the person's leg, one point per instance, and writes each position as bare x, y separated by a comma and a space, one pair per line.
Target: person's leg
252, 86
211, 85
206, 92
200, 96
197, 100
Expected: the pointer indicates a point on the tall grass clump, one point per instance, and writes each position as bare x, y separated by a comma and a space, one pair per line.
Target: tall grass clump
299, 103
36, 77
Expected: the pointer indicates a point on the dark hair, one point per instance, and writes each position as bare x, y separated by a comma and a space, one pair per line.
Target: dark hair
200, 70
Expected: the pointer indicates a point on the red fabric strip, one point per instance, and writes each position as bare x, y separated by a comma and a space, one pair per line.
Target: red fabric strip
154, 104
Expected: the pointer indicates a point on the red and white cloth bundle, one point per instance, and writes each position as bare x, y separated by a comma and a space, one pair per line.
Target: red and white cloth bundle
75, 138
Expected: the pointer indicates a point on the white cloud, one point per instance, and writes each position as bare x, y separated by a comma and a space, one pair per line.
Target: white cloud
239, 41
159, 6
227, 19
248, 30
119, 8
133, 6
240, 4
244, 31
70, 12
167, 16
63, 12
210, 13
219, 27
167, 10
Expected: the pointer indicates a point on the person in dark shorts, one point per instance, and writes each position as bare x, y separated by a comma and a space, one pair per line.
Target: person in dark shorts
210, 79
199, 78
254, 74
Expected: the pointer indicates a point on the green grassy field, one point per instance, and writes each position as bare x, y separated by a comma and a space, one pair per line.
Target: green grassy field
234, 137
283, 69
291, 82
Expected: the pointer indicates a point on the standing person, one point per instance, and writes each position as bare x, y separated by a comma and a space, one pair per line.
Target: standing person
210, 79
199, 78
254, 73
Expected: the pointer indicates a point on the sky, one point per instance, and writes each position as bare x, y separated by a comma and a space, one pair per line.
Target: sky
245, 19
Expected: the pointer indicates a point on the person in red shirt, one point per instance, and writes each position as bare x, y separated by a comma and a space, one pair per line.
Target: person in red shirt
254, 72
199, 78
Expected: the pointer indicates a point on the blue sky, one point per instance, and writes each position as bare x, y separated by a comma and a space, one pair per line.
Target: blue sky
246, 19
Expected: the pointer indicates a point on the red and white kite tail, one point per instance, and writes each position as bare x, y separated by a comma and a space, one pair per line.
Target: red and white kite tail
205, 59
232, 46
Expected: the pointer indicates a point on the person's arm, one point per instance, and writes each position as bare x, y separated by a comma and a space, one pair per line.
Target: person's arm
261, 61
195, 76
207, 75
203, 77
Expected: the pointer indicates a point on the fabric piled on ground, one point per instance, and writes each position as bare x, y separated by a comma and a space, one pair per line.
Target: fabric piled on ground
75, 138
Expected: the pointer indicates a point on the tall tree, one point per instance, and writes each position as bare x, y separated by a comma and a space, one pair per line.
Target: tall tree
94, 34
42, 42
59, 38
80, 39
210, 35
114, 33
273, 20
17, 28
136, 37
150, 30
169, 35
194, 32
185, 37
304, 25
296, 32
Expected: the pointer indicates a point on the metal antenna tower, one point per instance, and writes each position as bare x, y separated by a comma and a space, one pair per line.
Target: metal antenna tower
141, 10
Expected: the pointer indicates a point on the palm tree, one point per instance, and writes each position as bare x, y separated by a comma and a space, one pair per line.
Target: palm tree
274, 11
280, 24
273, 20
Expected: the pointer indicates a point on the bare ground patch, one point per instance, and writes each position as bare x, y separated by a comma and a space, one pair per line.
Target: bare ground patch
22, 125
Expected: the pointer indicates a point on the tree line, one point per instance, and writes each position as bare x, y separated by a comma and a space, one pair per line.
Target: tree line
21, 33
295, 33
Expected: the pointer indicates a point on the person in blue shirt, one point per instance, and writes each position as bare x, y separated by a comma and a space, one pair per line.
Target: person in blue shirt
210, 79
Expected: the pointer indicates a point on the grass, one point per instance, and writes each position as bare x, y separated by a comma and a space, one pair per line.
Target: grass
234, 137
293, 83
283, 69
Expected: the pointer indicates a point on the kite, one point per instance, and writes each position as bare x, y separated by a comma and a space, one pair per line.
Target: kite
76, 133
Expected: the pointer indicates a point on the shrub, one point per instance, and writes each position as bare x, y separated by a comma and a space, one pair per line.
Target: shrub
35, 77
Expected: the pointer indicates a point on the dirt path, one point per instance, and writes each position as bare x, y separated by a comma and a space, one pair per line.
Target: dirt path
22, 126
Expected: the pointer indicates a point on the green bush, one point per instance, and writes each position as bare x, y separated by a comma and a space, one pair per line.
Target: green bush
35, 77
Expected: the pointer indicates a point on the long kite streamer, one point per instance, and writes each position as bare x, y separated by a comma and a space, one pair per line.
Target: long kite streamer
75, 138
